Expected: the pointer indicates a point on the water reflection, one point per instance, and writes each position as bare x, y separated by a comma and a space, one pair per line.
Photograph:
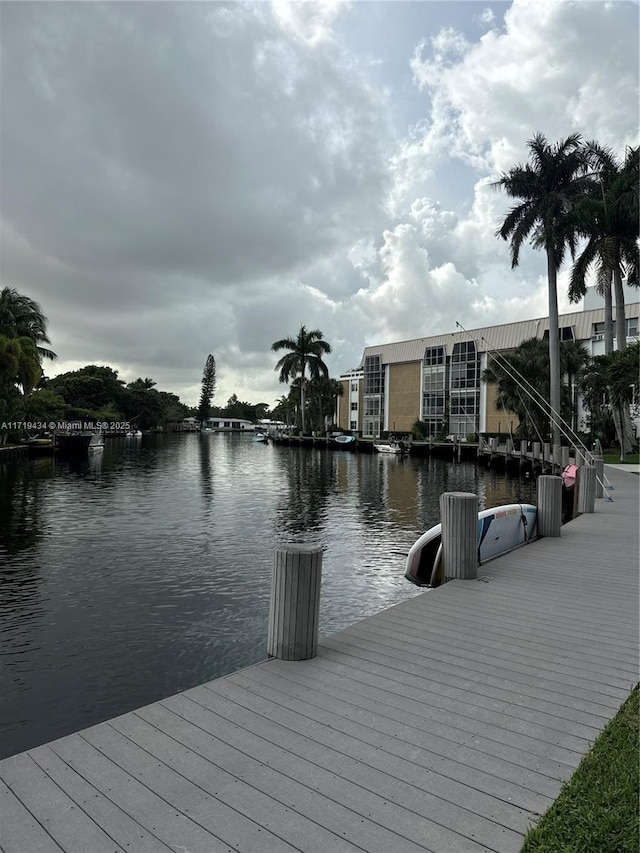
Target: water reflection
310, 478
132, 576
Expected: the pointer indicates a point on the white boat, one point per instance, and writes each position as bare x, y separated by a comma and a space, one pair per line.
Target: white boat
261, 436
344, 439
500, 529
134, 433
399, 448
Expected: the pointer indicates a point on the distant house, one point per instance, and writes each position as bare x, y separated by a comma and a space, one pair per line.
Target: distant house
229, 424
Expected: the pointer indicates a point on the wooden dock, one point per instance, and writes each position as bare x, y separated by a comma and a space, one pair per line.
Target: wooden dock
447, 723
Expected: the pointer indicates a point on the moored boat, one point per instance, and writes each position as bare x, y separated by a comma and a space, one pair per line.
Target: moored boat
344, 439
39, 444
398, 448
81, 441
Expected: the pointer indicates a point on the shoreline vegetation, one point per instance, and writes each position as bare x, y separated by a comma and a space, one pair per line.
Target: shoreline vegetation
597, 809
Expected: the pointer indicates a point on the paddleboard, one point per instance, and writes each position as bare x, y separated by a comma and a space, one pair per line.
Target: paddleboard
500, 529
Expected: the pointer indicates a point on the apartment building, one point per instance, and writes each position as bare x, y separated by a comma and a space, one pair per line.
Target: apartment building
437, 380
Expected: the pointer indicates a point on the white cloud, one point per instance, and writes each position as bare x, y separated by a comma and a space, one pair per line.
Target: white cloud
180, 179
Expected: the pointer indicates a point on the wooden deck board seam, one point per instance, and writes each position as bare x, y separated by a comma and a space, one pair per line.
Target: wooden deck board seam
335, 771
441, 654
279, 772
441, 697
453, 667
191, 781
379, 748
452, 736
507, 706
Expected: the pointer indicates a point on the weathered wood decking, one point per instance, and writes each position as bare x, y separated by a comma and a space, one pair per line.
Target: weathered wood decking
447, 723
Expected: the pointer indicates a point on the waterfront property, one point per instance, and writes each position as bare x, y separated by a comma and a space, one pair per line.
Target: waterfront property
436, 379
447, 723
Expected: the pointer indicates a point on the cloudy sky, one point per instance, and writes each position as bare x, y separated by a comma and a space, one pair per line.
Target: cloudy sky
185, 178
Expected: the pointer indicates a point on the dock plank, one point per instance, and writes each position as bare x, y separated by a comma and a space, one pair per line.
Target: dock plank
68, 824
142, 804
445, 724
374, 777
19, 829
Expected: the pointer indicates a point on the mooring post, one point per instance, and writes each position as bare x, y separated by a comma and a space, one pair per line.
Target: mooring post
535, 452
599, 463
459, 518
549, 505
295, 602
523, 452
564, 456
556, 451
587, 489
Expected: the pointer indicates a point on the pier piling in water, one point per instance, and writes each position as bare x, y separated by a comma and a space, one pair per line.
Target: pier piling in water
295, 602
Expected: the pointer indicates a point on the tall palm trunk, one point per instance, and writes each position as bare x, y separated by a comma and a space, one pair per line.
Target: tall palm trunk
619, 411
554, 347
302, 402
608, 315
621, 322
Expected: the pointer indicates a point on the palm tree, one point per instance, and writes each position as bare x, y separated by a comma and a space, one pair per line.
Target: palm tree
528, 365
19, 365
530, 361
608, 218
324, 393
21, 317
610, 382
548, 188
306, 351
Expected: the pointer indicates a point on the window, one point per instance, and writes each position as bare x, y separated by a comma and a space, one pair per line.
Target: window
434, 379
373, 395
432, 404
354, 386
372, 406
354, 407
597, 329
434, 355
464, 407
465, 366
353, 425
373, 375
565, 333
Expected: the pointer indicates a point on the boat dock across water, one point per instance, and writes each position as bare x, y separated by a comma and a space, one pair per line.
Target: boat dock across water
447, 723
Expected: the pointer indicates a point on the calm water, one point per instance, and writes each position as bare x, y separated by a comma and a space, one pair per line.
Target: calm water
146, 570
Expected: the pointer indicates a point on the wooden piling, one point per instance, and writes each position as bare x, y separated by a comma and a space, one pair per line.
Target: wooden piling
523, 452
459, 518
587, 489
564, 456
295, 602
599, 465
549, 505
